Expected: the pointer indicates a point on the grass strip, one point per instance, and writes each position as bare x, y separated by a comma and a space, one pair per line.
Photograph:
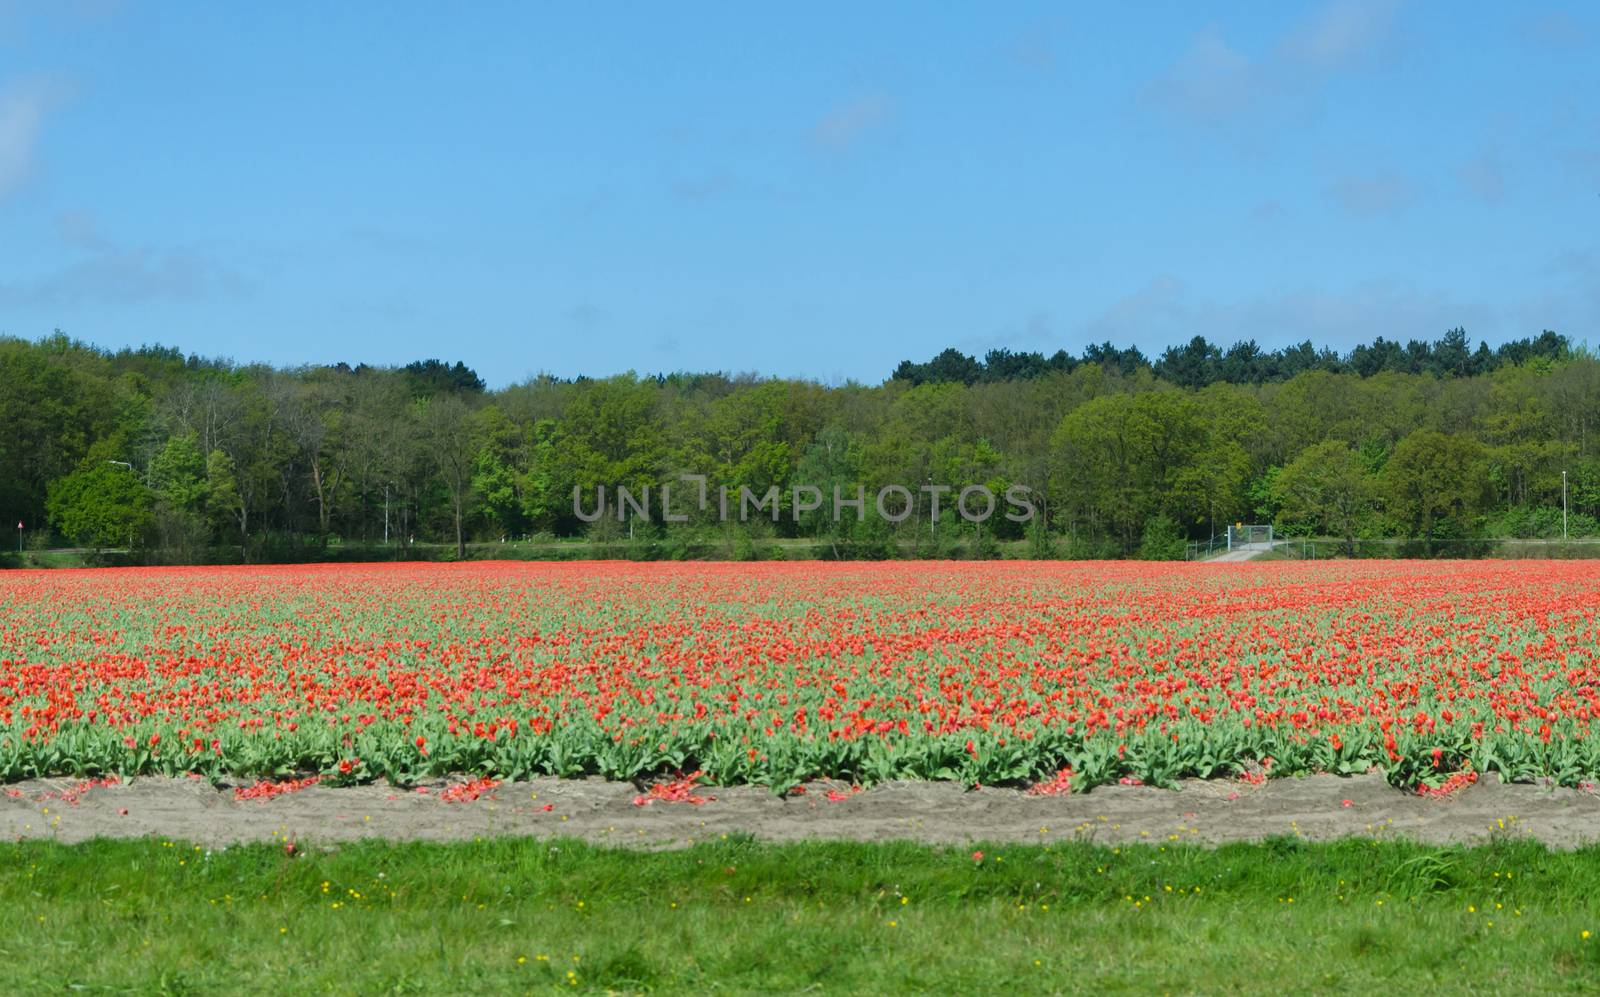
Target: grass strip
159, 916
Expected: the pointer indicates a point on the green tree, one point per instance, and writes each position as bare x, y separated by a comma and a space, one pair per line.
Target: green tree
1325, 489
833, 462
178, 480
178, 473
1098, 466
54, 404
611, 435
1126, 457
450, 436
1161, 540
223, 504
100, 505
1436, 484
546, 492
502, 446
314, 417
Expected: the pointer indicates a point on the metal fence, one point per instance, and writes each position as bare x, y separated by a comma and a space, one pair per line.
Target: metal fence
1320, 548
1249, 535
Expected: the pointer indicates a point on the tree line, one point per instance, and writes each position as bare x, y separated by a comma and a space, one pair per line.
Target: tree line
185, 458
1199, 363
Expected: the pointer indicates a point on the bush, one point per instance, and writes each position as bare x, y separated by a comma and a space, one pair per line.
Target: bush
1539, 523
985, 547
1041, 544
1082, 547
675, 545
1162, 540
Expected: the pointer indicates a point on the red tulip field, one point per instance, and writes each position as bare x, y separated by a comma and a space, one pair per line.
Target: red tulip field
620, 777
1064, 676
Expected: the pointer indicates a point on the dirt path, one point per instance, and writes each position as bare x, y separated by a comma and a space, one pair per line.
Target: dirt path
1243, 552
1318, 807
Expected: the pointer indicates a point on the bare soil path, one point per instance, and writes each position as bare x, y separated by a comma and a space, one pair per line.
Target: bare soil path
1242, 552
1316, 807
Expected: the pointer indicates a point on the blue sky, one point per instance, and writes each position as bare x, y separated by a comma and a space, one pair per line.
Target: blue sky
821, 190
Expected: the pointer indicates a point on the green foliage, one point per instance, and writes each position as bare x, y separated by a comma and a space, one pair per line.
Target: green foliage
1042, 545
54, 404
1411, 441
223, 503
1436, 484
100, 505
1325, 490
1161, 540
524, 914
178, 473
179, 483
1540, 523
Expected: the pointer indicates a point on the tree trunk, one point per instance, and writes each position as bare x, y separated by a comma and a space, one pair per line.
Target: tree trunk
461, 547
322, 503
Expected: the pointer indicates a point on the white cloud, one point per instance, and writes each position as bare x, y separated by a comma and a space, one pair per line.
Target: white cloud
1214, 83
23, 110
1578, 270
19, 17
1556, 30
1484, 176
1166, 311
585, 316
1585, 163
1035, 331
1210, 82
126, 276
1034, 47
1340, 34
1150, 311
1267, 211
78, 230
841, 127
1373, 194
705, 188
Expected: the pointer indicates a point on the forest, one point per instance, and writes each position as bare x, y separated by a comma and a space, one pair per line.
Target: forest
179, 458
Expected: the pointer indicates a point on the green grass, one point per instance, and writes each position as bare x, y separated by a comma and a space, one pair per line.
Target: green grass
158, 917
48, 559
